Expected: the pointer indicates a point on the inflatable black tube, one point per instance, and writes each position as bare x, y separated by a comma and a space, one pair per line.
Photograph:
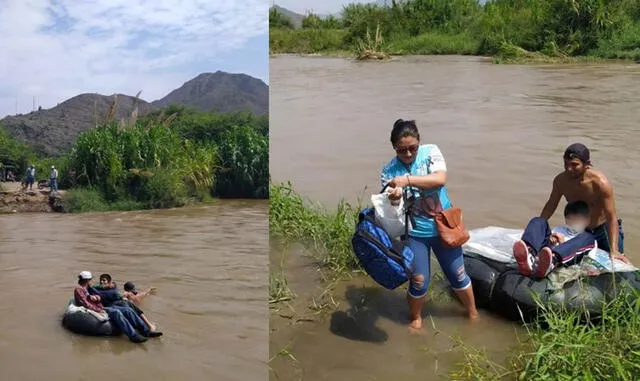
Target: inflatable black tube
84, 323
499, 288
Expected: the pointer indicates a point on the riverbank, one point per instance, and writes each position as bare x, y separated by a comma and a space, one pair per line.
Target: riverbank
13, 199
562, 350
331, 43
171, 158
537, 31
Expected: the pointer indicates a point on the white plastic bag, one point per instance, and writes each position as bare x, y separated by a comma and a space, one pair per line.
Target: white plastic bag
493, 242
390, 217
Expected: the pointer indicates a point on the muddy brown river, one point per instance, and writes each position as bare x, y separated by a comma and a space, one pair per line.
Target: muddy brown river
207, 262
502, 130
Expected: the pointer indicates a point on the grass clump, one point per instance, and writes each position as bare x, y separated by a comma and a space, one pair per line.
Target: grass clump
279, 290
371, 48
562, 346
326, 232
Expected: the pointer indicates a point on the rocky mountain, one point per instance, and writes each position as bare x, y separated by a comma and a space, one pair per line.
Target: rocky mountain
221, 92
53, 131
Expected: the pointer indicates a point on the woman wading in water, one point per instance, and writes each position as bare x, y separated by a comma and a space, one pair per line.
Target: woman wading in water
422, 168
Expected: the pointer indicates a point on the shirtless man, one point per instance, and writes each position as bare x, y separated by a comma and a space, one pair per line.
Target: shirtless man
580, 182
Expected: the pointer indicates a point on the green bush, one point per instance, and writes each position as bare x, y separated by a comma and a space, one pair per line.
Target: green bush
82, 200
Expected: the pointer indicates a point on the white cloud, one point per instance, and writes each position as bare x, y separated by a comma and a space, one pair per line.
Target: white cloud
54, 50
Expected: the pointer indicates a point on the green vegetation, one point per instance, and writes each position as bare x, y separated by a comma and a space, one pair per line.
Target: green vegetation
14, 155
326, 232
79, 200
171, 158
569, 349
561, 346
511, 30
279, 21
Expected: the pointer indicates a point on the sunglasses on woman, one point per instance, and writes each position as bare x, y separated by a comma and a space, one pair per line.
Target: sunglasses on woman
410, 149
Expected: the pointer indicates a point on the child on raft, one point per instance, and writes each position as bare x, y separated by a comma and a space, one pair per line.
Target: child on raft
540, 249
108, 291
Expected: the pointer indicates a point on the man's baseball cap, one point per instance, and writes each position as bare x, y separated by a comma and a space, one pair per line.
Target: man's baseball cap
577, 151
85, 275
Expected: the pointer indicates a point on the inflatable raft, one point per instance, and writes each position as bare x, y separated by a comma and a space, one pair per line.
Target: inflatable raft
499, 287
86, 322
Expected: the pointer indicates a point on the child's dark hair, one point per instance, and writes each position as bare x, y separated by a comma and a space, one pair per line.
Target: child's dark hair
577, 208
106, 276
402, 129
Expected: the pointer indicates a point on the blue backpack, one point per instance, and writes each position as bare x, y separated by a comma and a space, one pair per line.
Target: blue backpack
386, 260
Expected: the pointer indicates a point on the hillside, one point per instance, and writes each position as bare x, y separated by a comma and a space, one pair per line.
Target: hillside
221, 92
52, 132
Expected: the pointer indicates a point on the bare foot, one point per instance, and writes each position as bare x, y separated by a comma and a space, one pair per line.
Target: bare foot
415, 326
152, 327
474, 315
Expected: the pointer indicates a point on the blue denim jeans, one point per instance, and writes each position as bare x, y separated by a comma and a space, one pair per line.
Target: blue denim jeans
53, 184
537, 233
602, 236
126, 320
451, 261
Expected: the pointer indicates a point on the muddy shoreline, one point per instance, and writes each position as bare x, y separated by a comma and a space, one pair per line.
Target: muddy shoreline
14, 199
351, 328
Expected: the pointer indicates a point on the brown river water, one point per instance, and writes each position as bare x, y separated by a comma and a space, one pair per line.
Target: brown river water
207, 262
502, 130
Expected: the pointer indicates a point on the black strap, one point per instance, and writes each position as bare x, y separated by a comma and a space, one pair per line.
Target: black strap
407, 210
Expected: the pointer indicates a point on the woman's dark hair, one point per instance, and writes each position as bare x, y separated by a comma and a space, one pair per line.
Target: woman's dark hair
402, 129
105, 276
577, 208
82, 281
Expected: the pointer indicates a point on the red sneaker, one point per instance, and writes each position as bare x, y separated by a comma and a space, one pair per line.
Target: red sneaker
523, 258
545, 262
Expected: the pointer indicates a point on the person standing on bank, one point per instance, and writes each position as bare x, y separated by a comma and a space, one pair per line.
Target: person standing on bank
422, 168
53, 179
581, 182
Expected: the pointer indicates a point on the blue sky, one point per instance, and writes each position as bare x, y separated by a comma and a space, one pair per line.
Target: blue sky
57, 49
